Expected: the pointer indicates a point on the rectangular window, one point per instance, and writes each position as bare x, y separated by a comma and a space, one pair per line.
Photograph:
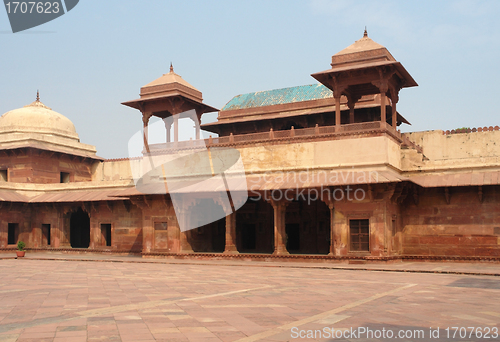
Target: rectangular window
360, 235
4, 176
106, 233
45, 234
64, 177
12, 233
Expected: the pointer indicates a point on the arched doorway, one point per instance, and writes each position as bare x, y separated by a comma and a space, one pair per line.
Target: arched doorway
79, 229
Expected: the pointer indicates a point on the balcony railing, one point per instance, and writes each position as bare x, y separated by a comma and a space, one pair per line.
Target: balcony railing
292, 134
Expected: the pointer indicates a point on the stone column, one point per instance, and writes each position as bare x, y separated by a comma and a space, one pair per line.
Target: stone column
176, 128
382, 107
279, 227
351, 102
394, 100
231, 234
382, 86
145, 121
197, 122
168, 126
337, 113
96, 239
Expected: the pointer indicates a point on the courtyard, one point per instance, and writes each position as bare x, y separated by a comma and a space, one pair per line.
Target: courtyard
70, 298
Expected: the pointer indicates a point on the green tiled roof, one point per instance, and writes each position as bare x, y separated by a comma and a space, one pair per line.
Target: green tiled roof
279, 96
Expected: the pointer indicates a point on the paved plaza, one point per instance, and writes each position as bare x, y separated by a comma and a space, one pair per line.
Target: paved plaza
66, 299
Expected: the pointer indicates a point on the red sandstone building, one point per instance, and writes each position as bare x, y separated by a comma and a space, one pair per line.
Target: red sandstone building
427, 194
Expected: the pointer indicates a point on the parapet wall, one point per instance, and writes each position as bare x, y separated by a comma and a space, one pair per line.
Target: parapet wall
453, 151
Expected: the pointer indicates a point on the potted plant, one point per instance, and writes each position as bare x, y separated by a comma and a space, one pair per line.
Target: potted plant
20, 246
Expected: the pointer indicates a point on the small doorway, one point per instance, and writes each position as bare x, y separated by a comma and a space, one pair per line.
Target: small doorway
106, 233
248, 236
12, 233
45, 234
292, 237
79, 229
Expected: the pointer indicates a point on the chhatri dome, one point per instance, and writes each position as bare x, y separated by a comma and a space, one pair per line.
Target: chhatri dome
37, 118
37, 125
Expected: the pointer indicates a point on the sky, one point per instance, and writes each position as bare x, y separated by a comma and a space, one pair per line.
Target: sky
90, 60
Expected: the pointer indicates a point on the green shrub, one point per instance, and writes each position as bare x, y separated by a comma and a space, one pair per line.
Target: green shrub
21, 245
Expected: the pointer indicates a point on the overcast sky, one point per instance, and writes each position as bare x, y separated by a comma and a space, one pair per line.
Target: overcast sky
88, 61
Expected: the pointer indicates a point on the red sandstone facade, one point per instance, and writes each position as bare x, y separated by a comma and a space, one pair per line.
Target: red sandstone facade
424, 197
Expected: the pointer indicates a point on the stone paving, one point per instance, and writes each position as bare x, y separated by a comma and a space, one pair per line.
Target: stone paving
132, 299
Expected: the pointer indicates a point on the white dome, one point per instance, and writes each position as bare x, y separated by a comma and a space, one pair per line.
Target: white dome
37, 118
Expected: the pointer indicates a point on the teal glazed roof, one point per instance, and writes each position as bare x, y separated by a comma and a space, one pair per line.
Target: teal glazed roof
279, 96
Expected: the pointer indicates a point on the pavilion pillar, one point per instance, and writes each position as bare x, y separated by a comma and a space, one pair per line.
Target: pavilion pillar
145, 121
394, 116
383, 86
337, 113
231, 234
279, 227
168, 126
176, 128
351, 102
382, 107
394, 100
197, 123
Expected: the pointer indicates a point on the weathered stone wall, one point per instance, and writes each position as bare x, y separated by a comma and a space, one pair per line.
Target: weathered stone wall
453, 151
466, 226
43, 168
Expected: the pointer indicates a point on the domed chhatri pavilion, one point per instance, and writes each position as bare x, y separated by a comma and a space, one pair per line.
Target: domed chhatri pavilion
33, 131
421, 195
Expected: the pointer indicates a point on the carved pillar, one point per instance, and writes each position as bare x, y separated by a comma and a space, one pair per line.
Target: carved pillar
197, 122
145, 121
337, 93
168, 126
334, 233
279, 227
394, 100
383, 117
382, 86
351, 102
231, 234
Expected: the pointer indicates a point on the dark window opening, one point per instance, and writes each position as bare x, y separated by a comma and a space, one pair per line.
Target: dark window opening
106, 233
292, 237
248, 237
12, 233
64, 177
4, 176
360, 235
46, 234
